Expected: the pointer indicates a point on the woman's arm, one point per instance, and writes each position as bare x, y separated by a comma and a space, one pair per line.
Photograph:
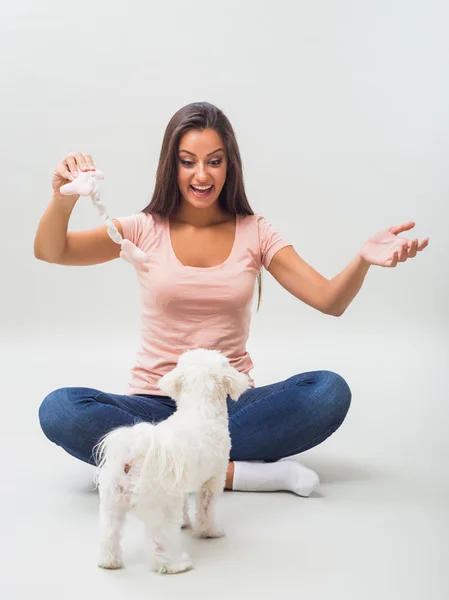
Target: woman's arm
54, 244
345, 286
301, 280
330, 297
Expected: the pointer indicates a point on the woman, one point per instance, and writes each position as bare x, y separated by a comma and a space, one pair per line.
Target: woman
206, 248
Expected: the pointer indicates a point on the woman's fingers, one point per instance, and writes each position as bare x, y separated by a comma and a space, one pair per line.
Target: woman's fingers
71, 164
89, 162
82, 161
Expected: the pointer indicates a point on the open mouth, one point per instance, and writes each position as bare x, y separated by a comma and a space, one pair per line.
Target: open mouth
203, 191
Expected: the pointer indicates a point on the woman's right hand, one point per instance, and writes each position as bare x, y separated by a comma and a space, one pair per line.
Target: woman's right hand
67, 169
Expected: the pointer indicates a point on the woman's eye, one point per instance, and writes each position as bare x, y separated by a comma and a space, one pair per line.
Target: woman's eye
188, 163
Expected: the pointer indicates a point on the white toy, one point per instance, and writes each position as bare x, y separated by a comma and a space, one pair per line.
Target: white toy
152, 468
86, 185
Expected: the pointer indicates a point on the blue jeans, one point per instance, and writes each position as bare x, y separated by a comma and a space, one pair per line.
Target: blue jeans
266, 423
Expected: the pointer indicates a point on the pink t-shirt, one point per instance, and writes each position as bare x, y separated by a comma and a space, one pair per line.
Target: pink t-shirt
185, 307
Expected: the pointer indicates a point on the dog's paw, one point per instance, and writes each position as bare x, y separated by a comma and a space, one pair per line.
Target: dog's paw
170, 568
110, 562
211, 532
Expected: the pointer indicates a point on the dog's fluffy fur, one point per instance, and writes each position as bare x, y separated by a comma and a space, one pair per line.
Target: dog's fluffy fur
152, 468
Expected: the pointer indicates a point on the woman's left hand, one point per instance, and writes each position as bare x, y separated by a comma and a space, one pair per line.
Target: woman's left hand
385, 248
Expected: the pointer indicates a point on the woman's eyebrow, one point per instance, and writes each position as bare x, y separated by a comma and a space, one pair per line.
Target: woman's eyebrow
210, 153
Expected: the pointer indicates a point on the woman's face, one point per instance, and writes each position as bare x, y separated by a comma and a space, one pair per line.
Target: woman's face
202, 163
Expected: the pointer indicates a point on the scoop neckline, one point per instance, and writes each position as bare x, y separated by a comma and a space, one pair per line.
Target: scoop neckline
194, 268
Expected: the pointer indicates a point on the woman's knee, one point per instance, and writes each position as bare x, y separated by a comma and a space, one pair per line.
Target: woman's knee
327, 392
54, 413
337, 394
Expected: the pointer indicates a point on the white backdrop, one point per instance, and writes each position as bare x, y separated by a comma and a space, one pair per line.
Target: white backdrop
341, 113
341, 116
340, 110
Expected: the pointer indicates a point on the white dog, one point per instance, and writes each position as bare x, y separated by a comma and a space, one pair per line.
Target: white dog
151, 468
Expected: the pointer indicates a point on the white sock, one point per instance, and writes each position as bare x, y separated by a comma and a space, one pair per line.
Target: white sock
270, 477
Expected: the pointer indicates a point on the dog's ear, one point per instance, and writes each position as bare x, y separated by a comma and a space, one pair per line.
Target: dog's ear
235, 383
171, 383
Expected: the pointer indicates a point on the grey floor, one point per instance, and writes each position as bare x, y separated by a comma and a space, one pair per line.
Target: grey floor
376, 528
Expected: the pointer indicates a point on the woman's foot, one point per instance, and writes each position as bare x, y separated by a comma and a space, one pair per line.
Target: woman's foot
287, 475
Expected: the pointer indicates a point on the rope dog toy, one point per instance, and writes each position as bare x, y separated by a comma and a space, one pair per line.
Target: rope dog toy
85, 184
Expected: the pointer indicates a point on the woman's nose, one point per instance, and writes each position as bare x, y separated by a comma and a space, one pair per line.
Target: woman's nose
202, 173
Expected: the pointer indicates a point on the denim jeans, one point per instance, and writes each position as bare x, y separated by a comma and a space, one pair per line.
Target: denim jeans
266, 423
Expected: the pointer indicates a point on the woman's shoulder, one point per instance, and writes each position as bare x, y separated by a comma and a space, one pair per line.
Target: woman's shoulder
142, 219
269, 238
251, 220
140, 226
258, 222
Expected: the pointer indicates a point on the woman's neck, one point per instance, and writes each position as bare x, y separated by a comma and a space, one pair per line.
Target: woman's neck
200, 217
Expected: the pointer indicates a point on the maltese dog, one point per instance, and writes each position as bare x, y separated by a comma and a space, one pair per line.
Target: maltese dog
151, 469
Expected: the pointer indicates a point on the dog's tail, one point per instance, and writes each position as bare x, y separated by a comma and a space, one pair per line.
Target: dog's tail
114, 447
164, 465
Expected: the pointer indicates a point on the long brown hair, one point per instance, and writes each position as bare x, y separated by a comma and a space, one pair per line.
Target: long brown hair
167, 197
